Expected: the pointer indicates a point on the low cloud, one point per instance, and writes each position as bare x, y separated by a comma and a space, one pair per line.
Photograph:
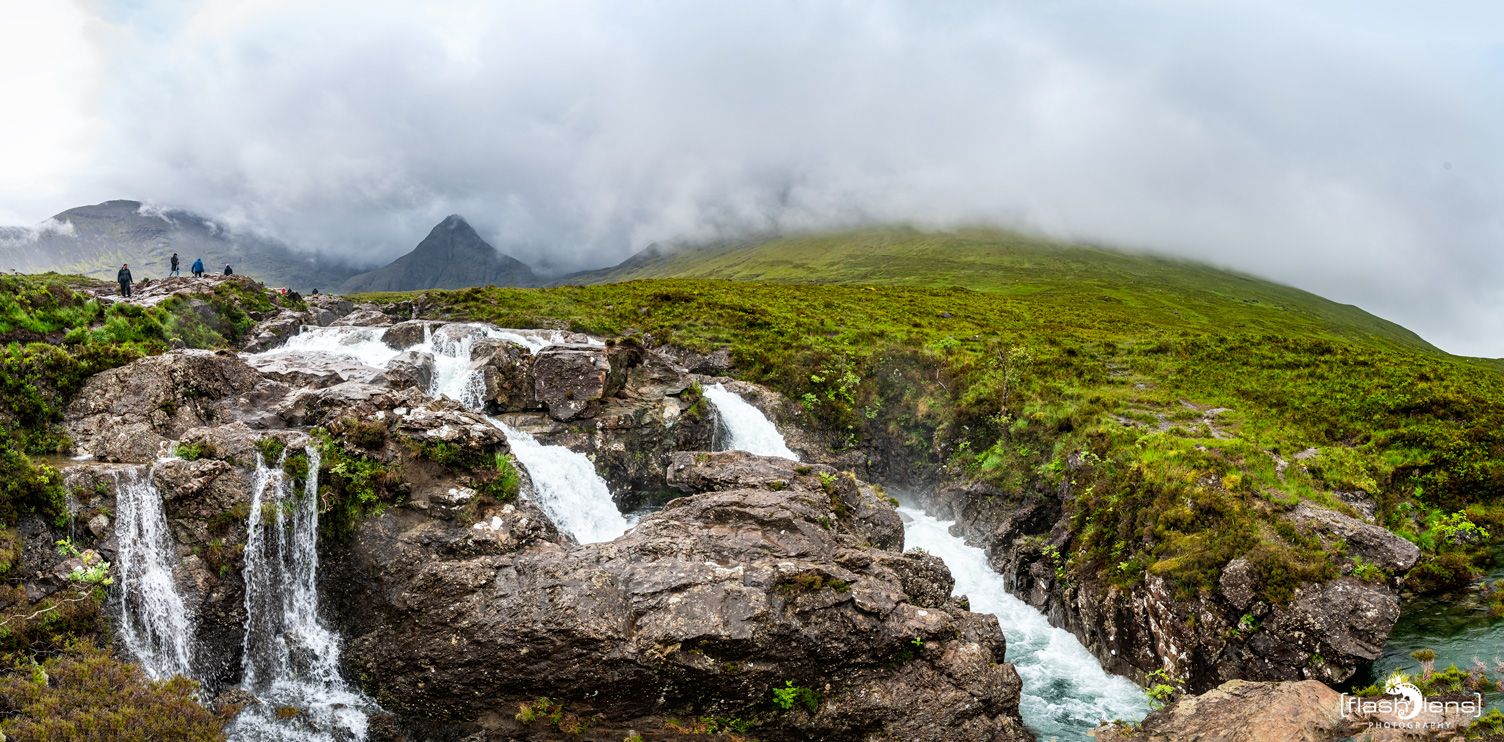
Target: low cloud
1350, 150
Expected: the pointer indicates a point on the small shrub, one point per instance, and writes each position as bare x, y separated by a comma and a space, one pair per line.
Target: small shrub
789, 695
811, 581
1160, 688
270, 449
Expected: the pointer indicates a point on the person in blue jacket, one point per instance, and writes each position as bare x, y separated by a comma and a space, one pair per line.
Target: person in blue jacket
198, 268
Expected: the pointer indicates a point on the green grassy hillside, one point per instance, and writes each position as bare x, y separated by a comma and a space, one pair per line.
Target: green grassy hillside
1155, 290
1196, 404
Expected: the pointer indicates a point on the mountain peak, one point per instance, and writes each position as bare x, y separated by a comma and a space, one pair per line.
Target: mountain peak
451, 256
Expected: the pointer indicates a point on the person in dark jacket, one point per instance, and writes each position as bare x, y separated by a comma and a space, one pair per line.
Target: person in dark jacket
124, 277
229, 271
198, 268
174, 270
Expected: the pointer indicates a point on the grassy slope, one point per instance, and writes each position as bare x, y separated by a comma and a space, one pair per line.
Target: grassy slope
1009, 357
54, 334
1161, 291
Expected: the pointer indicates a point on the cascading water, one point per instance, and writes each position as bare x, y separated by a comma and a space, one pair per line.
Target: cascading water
154, 624
746, 428
290, 658
1066, 692
567, 488
566, 485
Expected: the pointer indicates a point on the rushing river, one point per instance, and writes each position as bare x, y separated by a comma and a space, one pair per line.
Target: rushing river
1066, 692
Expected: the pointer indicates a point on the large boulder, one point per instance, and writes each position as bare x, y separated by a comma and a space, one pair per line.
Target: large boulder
1241, 711
571, 380
507, 372
313, 370
275, 331
129, 413
702, 608
410, 369
363, 316
1377, 545
404, 335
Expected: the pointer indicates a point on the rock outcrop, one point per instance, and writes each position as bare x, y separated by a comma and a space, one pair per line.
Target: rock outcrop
129, 413
1325, 632
1240, 711
703, 608
460, 600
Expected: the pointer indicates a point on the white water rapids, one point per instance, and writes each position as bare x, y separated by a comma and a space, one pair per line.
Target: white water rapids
290, 658
565, 483
567, 488
1065, 690
154, 624
745, 427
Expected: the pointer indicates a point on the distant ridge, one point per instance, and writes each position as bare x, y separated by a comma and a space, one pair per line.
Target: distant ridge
452, 256
94, 240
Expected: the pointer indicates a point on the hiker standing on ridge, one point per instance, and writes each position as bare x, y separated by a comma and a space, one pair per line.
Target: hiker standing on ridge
198, 268
174, 270
229, 271
124, 277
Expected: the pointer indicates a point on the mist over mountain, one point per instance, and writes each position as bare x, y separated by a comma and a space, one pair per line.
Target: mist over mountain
95, 240
452, 256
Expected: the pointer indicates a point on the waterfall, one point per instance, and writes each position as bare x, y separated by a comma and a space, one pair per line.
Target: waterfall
290, 657
154, 624
747, 429
1066, 692
565, 483
567, 488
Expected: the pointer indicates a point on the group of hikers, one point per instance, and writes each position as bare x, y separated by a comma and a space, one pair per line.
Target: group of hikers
197, 269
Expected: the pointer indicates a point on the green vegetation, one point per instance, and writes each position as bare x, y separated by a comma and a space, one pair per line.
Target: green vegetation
789, 695
808, 582
551, 713
352, 485
1185, 407
86, 694
504, 484
1161, 689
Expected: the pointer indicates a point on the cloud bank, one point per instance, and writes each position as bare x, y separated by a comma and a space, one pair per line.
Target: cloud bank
1352, 150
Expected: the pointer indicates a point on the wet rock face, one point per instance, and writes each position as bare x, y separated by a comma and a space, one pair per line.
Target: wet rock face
703, 607
1325, 632
275, 331
507, 374
410, 371
129, 413
571, 380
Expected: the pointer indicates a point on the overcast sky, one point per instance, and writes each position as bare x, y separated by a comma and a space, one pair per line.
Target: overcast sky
1352, 149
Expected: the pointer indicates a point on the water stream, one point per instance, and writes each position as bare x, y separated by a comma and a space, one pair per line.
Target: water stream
744, 427
290, 657
567, 488
1458, 627
1065, 690
154, 623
